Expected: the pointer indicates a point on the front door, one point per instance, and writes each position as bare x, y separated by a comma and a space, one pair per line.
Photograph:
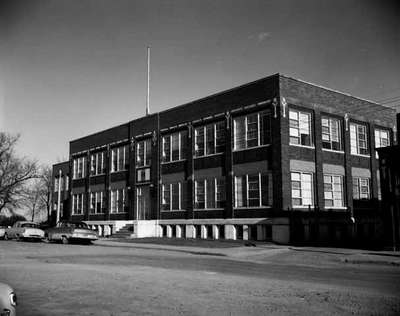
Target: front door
143, 202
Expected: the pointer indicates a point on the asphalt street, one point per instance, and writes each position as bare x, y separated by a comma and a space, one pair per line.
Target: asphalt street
112, 279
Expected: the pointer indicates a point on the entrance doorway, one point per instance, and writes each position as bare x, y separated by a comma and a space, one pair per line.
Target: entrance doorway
143, 202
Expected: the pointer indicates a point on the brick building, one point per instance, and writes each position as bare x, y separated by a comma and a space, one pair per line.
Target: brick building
278, 158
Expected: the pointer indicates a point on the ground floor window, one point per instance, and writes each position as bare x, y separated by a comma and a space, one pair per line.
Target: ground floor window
361, 188
118, 200
253, 190
172, 196
209, 193
302, 189
77, 204
96, 202
333, 191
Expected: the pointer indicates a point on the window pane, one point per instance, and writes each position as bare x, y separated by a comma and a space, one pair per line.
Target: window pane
166, 148
175, 196
199, 142
265, 128
210, 141
239, 190
220, 137
240, 137
175, 146
252, 130
210, 185
166, 198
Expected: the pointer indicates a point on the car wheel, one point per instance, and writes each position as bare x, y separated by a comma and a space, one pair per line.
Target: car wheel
46, 239
5, 236
65, 240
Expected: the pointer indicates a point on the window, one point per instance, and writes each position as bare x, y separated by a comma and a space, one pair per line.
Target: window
119, 158
79, 168
143, 175
210, 139
358, 139
143, 153
77, 204
118, 200
331, 134
300, 128
333, 191
361, 189
96, 202
302, 189
97, 163
253, 190
252, 130
382, 139
171, 196
173, 146
209, 193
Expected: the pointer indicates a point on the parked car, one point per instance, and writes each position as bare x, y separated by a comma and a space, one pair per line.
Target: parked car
2, 231
67, 231
8, 300
24, 230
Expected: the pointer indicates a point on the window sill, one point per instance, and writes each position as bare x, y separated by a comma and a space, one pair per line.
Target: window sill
302, 146
76, 214
333, 151
96, 175
118, 171
96, 214
304, 207
208, 209
205, 156
169, 211
247, 148
251, 207
360, 155
335, 208
169, 162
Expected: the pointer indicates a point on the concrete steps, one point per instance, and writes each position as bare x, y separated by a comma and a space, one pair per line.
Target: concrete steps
125, 232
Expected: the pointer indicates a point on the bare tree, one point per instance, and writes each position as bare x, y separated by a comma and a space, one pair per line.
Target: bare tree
14, 173
45, 189
32, 198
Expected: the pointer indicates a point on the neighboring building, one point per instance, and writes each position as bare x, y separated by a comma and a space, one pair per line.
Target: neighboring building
276, 159
389, 158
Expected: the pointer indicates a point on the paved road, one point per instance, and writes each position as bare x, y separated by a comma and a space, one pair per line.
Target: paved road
55, 279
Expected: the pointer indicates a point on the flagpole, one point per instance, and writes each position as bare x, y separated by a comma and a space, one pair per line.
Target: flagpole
148, 82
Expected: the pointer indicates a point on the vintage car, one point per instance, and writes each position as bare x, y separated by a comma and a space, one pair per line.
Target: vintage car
2, 231
24, 230
8, 300
67, 231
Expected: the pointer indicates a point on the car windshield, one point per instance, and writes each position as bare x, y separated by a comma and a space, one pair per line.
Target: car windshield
29, 225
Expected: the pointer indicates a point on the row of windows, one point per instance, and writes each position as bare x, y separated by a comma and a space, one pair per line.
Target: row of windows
302, 189
300, 133
252, 130
98, 202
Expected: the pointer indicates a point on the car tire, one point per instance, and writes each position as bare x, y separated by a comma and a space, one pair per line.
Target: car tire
6, 236
64, 240
46, 239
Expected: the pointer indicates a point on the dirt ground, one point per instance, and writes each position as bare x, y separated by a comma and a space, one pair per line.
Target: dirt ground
140, 279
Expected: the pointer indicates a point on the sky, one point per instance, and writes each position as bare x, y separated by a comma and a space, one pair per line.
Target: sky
72, 68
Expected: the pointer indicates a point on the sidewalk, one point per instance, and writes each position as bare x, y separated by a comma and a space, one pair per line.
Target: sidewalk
261, 252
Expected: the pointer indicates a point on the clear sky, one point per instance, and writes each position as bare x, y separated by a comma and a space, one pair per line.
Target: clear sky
71, 68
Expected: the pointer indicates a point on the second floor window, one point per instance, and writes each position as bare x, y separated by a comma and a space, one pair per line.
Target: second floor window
302, 189
119, 158
97, 163
77, 204
143, 153
253, 190
300, 128
333, 191
96, 202
79, 168
173, 146
118, 200
382, 139
361, 189
210, 139
331, 135
252, 130
358, 139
